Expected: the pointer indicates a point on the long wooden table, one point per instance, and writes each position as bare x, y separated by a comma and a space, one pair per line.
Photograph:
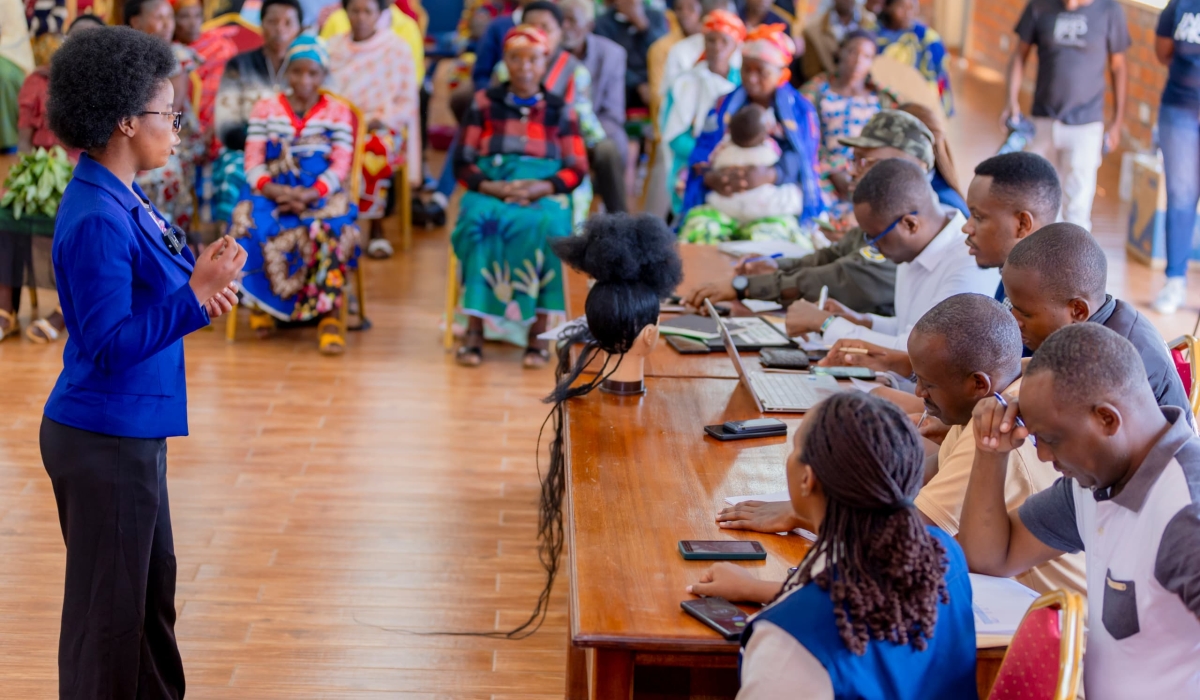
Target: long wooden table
641, 475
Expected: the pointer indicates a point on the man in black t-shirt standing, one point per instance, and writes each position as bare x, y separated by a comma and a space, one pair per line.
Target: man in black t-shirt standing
1078, 42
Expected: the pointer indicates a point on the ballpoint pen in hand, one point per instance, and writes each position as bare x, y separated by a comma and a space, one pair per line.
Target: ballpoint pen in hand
922, 421
1005, 405
824, 297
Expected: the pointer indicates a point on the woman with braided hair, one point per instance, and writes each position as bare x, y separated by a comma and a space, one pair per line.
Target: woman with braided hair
880, 608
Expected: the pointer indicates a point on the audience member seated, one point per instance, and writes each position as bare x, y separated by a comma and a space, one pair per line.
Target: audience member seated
491, 48
824, 36
1056, 277
964, 350
694, 94
170, 187
635, 27
901, 218
846, 99
688, 52
32, 120
212, 49
881, 605
945, 175
391, 16
903, 37
296, 220
604, 60
689, 21
16, 61
766, 55
1126, 499
253, 76
758, 12
1012, 196
856, 276
514, 204
374, 69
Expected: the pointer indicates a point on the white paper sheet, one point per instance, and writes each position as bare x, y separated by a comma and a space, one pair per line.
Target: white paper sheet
777, 497
999, 604
759, 306
738, 249
863, 385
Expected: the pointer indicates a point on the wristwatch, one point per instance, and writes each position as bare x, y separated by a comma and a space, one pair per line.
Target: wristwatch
739, 286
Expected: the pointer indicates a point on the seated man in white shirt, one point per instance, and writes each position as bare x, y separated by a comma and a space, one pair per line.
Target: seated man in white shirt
901, 217
965, 349
1129, 498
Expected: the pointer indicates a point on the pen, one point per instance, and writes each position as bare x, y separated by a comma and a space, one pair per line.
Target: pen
1005, 405
761, 258
854, 351
824, 297
922, 421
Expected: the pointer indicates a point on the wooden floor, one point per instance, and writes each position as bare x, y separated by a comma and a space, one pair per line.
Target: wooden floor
325, 508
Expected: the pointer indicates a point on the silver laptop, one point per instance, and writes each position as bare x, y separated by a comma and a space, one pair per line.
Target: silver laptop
776, 392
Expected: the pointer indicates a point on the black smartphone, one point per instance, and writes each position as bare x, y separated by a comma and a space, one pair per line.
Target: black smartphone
687, 346
723, 433
719, 614
844, 372
722, 550
756, 425
783, 358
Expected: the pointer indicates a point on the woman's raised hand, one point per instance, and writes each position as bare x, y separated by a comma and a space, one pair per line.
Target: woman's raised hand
216, 268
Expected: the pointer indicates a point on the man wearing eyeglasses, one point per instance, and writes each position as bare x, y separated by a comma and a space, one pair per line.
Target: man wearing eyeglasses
901, 217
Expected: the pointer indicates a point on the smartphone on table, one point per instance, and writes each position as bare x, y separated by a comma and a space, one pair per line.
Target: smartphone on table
722, 550
744, 429
719, 614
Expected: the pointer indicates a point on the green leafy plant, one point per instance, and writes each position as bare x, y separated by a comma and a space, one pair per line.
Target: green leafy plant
36, 183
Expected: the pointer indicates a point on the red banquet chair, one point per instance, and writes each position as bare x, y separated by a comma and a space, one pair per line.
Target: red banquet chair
1044, 660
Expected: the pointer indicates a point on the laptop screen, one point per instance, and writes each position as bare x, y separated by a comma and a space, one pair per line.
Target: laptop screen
731, 348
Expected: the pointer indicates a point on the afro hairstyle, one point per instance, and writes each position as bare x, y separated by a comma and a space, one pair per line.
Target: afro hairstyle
100, 77
635, 262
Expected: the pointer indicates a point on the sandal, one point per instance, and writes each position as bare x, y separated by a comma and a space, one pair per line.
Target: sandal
12, 328
535, 358
380, 249
41, 332
331, 337
262, 323
470, 353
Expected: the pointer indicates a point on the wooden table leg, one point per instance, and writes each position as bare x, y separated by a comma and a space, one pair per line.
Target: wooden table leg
613, 675
577, 676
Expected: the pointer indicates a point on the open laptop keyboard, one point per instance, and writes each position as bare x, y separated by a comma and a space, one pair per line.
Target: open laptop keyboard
787, 390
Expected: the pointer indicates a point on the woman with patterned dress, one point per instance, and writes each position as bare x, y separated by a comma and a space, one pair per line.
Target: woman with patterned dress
296, 220
905, 39
845, 101
692, 96
520, 154
374, 69
794, 127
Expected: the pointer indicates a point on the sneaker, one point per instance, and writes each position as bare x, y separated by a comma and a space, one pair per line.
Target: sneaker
1172, 296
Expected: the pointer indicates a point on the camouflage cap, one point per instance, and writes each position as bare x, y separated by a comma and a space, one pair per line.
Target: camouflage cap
899, 130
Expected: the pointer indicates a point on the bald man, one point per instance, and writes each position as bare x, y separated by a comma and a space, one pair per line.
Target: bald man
1129, 498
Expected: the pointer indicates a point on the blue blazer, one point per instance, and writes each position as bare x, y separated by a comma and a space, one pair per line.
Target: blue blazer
127, 304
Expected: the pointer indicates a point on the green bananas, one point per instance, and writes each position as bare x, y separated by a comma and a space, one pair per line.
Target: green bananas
36, 183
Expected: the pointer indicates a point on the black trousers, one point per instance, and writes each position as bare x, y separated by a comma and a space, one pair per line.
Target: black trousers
117, 639
608, 175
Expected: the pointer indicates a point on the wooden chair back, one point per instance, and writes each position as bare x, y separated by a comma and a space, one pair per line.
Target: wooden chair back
243, 34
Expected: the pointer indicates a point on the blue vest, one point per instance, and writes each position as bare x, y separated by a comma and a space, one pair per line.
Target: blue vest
944, 671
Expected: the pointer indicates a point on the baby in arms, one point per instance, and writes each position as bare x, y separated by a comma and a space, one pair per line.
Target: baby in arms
747, 144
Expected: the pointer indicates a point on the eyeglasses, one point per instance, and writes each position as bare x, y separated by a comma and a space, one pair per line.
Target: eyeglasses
873, 241
175, 124
1021, 423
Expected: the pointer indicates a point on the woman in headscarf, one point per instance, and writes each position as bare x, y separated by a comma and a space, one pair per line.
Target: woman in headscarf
793, 126
905, 39
845, 100
296, 220
520, 154
374, 69
692, 96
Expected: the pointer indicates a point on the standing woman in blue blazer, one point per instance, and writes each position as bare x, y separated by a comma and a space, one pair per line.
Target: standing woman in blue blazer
130, 291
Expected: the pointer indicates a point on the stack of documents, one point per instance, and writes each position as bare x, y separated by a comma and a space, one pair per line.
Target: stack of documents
999, 605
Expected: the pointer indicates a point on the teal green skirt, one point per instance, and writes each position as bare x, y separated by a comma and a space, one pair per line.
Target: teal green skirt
508, 270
